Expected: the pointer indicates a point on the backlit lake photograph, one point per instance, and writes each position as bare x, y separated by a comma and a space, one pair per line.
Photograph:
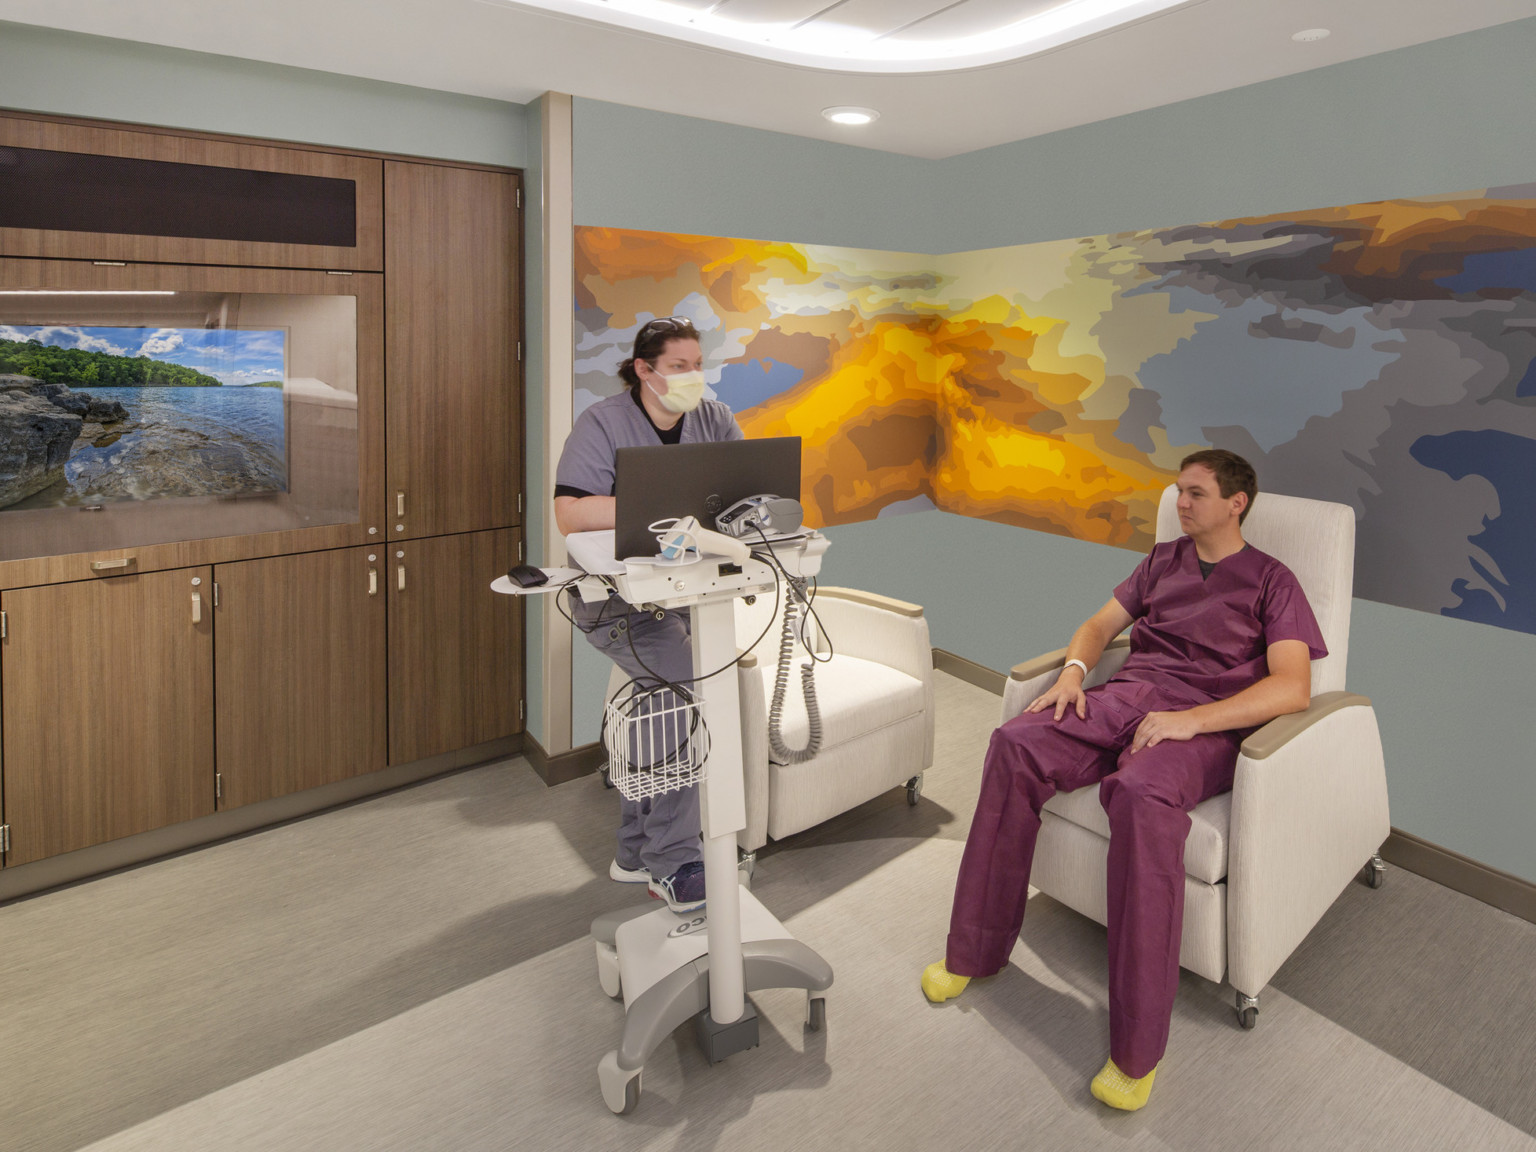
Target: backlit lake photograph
91, 415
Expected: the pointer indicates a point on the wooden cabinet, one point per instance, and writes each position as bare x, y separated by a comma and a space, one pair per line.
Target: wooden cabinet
354, 626
108, 709
452, 377
300, 671
455, 647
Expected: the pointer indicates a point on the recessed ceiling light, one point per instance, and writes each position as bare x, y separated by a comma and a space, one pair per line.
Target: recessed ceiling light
850, 114
1307, 35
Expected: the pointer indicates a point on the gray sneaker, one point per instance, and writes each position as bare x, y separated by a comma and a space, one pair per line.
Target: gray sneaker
684, 889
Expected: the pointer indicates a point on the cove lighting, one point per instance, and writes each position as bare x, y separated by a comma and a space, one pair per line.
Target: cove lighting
849, 114
821, 41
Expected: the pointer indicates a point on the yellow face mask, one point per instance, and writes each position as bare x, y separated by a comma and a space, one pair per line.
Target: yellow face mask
685, 391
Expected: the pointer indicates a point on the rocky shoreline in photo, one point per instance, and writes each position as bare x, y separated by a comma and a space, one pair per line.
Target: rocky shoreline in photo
39, 425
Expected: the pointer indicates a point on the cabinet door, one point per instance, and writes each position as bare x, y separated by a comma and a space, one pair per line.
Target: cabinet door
452, 378
301, 667
455, 647
108, 709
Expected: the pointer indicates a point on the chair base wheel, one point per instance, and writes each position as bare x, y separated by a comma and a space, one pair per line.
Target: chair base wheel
1375, 872
914, 789
1247, 1011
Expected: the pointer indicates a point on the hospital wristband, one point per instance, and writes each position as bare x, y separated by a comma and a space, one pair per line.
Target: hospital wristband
1079, 663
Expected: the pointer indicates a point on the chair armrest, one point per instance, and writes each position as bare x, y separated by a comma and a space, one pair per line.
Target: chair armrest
1269, 739
872, 599
871, 631
1309, 806
1032, 677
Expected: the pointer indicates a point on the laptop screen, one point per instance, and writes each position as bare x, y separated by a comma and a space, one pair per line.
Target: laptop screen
700, 480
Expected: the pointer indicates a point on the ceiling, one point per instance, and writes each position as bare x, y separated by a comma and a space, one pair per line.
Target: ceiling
513, 51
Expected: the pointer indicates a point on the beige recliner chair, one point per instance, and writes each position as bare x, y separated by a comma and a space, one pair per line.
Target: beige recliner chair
1308, 806
875, 696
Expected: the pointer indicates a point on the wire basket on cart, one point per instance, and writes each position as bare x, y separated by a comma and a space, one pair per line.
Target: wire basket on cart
657, 741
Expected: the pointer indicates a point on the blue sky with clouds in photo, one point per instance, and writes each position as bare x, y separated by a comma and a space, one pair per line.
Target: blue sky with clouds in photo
232, 356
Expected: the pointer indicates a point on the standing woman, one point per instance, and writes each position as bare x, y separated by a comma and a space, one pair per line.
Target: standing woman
658, 841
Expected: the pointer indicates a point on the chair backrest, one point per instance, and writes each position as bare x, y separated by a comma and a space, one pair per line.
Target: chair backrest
1315, 539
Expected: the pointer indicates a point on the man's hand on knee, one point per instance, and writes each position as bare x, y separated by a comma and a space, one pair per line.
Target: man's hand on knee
1155, 727
1066, 693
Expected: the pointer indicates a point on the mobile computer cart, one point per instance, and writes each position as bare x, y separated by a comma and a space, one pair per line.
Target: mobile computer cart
672, 967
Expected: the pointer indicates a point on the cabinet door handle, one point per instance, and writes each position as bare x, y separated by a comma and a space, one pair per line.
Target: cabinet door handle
399, 503
400, 577
104, 565
373, 581
197, 608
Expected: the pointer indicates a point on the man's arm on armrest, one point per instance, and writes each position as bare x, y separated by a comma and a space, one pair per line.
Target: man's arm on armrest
1287, 688
1087, 645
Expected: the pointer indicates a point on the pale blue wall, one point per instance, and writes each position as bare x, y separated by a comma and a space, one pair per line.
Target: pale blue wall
69, 74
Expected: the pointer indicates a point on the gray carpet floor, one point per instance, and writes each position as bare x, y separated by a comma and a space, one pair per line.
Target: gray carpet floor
413, 971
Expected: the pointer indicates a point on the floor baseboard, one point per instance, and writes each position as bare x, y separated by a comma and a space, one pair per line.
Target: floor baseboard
1461, 874
969, 671
563, 766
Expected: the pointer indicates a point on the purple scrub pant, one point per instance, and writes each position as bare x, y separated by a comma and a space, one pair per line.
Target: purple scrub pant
1147, 795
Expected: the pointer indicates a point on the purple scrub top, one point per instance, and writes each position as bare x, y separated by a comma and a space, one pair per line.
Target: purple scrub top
1206, 639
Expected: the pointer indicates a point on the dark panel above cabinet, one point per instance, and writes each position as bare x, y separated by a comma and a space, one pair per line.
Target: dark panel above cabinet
75, 192
84, 192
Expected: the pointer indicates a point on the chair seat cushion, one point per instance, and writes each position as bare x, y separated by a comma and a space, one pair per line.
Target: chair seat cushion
1205, 851
855, 697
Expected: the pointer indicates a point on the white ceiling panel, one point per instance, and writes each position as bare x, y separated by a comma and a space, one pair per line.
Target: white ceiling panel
780, 12
976, 18
875, 17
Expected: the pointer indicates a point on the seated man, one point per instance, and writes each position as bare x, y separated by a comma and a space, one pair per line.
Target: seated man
1222, 642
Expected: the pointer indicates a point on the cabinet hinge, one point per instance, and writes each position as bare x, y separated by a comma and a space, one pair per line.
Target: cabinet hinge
519, 197
218, 785
5, 837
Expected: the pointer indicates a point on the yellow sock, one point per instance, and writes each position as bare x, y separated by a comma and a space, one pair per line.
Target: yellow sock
940, 984
1118, 1090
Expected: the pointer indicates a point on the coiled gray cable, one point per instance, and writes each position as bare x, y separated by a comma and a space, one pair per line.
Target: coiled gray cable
785, 754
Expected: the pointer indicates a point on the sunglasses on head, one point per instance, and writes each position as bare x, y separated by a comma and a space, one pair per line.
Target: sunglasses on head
665, 324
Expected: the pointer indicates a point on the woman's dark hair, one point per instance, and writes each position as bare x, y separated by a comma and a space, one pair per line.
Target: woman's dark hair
651, 342
1233, 475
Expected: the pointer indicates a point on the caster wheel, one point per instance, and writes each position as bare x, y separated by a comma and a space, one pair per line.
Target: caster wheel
747, 865
816, 1013
621, 1088
1375, 873
1247, 1010
914, 790
608, 969
607, 779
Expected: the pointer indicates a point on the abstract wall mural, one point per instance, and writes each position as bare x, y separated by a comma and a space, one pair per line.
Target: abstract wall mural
1382, 355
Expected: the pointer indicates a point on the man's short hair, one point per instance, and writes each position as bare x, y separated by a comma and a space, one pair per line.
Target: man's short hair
1233, 474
